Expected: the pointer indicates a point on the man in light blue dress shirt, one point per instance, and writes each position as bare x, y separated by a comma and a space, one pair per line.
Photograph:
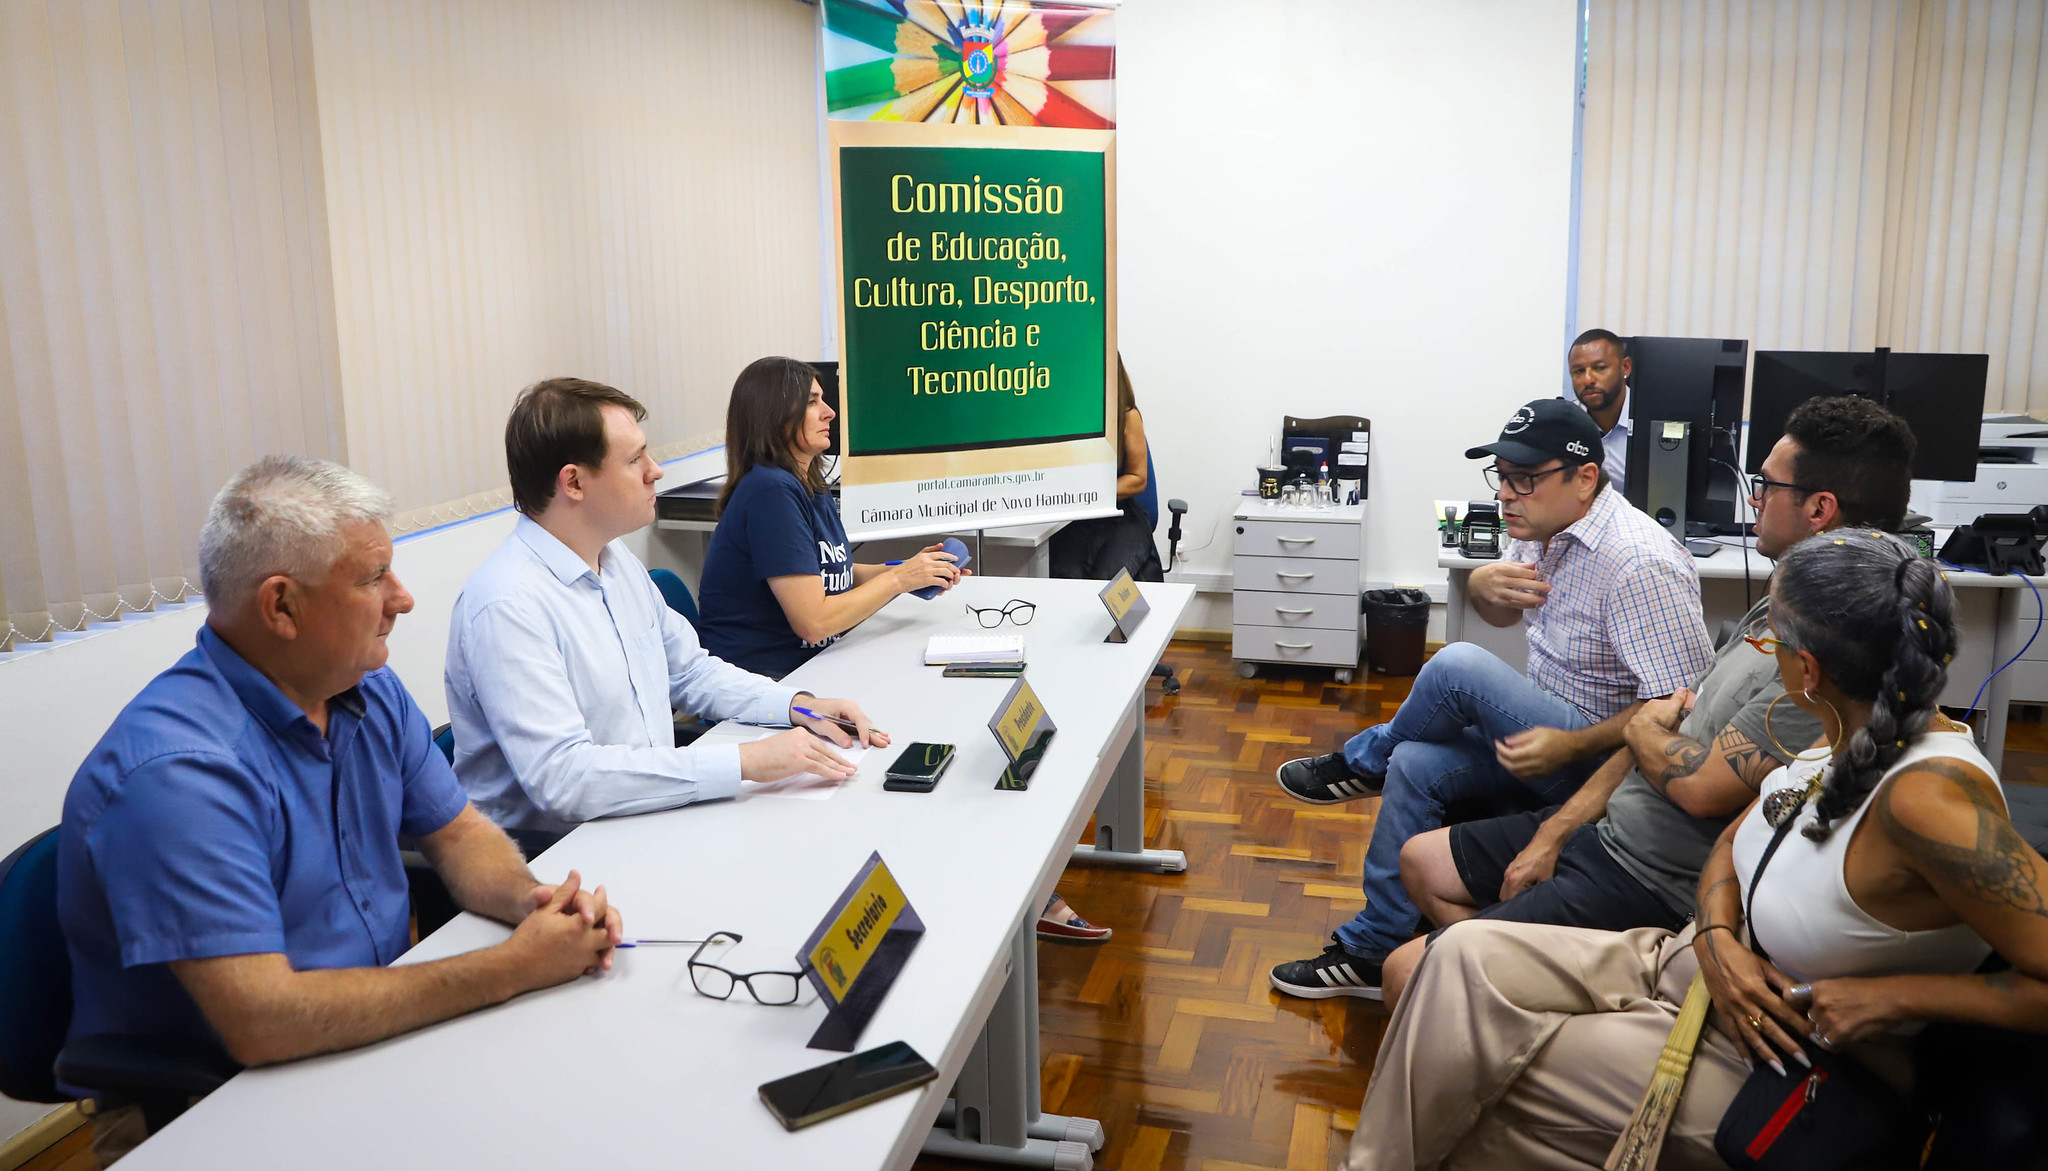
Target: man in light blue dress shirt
564, 665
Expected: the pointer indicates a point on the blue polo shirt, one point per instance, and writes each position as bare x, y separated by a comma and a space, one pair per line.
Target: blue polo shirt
214, 819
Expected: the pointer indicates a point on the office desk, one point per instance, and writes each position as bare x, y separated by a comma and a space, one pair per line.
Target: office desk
1994, 617
634, 1069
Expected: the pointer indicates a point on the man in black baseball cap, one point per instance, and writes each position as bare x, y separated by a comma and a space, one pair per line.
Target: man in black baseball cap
1612, 607
1547, 429
1547, 438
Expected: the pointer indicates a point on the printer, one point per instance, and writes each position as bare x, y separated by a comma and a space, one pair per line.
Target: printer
2012, 475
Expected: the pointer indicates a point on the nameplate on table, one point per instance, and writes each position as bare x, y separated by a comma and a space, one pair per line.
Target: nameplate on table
855, 955
1023, 728
1127, 607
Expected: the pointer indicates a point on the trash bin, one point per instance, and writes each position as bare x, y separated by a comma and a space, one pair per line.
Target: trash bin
1396, 625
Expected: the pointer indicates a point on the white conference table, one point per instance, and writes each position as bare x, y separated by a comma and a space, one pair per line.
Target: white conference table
1989, 627
633, 1068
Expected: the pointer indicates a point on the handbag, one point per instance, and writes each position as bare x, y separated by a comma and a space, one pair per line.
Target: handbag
1834, 1117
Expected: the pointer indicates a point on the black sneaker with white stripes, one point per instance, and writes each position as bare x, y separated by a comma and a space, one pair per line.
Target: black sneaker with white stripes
1336, 972
1326, 780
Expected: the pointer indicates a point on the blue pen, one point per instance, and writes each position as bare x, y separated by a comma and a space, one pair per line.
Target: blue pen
849, 725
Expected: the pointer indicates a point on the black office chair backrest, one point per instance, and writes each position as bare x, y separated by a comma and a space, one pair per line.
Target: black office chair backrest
35, 973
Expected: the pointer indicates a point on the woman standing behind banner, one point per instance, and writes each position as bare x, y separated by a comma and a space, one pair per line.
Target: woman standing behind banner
779, 583
1095, 549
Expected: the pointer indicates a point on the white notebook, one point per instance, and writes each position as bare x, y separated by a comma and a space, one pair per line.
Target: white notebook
973, 648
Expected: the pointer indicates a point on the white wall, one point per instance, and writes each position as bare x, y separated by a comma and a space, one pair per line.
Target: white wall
1349, 208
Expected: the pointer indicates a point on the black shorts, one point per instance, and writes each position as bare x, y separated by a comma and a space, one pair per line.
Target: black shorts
1587, 889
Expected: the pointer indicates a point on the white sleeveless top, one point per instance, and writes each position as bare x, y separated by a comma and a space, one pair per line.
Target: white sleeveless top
1803, 915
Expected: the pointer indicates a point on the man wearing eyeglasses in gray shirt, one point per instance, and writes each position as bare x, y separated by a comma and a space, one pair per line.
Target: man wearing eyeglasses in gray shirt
565, 666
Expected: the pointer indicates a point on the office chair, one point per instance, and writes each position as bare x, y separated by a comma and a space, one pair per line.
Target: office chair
675, 593
426, 881
159, 1074
1148, 503
432, 905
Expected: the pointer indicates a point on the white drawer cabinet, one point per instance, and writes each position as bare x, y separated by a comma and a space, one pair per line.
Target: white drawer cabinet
1297, 574
1249, 607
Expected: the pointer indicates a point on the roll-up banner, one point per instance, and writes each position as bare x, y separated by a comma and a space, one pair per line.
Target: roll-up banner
974, 178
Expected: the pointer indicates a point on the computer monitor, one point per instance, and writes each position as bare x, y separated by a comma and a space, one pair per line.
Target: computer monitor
1698, 382
1940, 396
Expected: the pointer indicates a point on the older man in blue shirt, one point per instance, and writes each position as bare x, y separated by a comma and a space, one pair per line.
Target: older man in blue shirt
228, 864
565, 666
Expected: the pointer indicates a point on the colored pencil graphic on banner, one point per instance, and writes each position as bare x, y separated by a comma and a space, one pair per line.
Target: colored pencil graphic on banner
990, 62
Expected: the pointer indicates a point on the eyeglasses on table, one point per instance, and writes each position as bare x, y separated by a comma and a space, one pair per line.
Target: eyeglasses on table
1015, 610
717, 982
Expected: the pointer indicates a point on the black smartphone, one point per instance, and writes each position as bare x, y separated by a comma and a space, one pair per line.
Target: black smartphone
918, 769
983, 671
846, 1084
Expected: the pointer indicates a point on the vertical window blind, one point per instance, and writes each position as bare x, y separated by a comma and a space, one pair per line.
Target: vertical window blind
211, 249
517, 189
1821, 175
167, 316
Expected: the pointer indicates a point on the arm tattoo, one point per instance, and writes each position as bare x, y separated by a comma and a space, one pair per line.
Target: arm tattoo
1708, 893
1998, 868
1684, 756
1749, 763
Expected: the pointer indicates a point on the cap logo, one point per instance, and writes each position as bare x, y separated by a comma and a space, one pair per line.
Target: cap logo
1576, 448
1520, 423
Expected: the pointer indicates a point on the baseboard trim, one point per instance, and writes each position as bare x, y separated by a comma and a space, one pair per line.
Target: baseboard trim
1190, 633
41, 1135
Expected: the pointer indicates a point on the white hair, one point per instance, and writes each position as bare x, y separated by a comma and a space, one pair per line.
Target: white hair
281, 514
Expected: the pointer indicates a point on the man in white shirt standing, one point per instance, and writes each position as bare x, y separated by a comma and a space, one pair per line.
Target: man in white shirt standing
1600, 368
564, 665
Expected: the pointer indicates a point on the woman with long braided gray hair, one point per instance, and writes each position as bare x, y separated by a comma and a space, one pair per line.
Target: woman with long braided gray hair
1904, 876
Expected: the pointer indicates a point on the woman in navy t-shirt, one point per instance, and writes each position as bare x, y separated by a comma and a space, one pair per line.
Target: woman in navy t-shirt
779, 582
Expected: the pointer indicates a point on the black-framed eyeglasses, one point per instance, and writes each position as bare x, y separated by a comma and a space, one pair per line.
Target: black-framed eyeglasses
1519, 483
1015, 610
1758, 485
709, 979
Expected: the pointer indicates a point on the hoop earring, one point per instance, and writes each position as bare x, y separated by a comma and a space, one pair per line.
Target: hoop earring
1785, 753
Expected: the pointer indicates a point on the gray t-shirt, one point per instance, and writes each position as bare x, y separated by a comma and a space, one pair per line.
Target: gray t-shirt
1663, 846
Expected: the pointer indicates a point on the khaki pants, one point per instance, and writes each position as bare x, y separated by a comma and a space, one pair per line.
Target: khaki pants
1528, 1046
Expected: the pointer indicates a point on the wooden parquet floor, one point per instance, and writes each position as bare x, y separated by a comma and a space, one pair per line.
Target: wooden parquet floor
1169, 1033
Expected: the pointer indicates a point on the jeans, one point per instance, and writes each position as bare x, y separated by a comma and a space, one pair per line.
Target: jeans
1437, 751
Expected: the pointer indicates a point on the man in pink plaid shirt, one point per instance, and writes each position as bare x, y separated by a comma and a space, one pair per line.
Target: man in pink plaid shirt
1612, 606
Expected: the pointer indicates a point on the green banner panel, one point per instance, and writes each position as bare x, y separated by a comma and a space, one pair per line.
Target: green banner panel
976, 304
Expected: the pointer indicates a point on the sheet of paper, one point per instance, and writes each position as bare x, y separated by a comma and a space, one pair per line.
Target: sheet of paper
803, 786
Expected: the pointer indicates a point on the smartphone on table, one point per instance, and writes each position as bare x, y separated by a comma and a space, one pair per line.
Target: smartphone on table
846, 1084
918, 769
